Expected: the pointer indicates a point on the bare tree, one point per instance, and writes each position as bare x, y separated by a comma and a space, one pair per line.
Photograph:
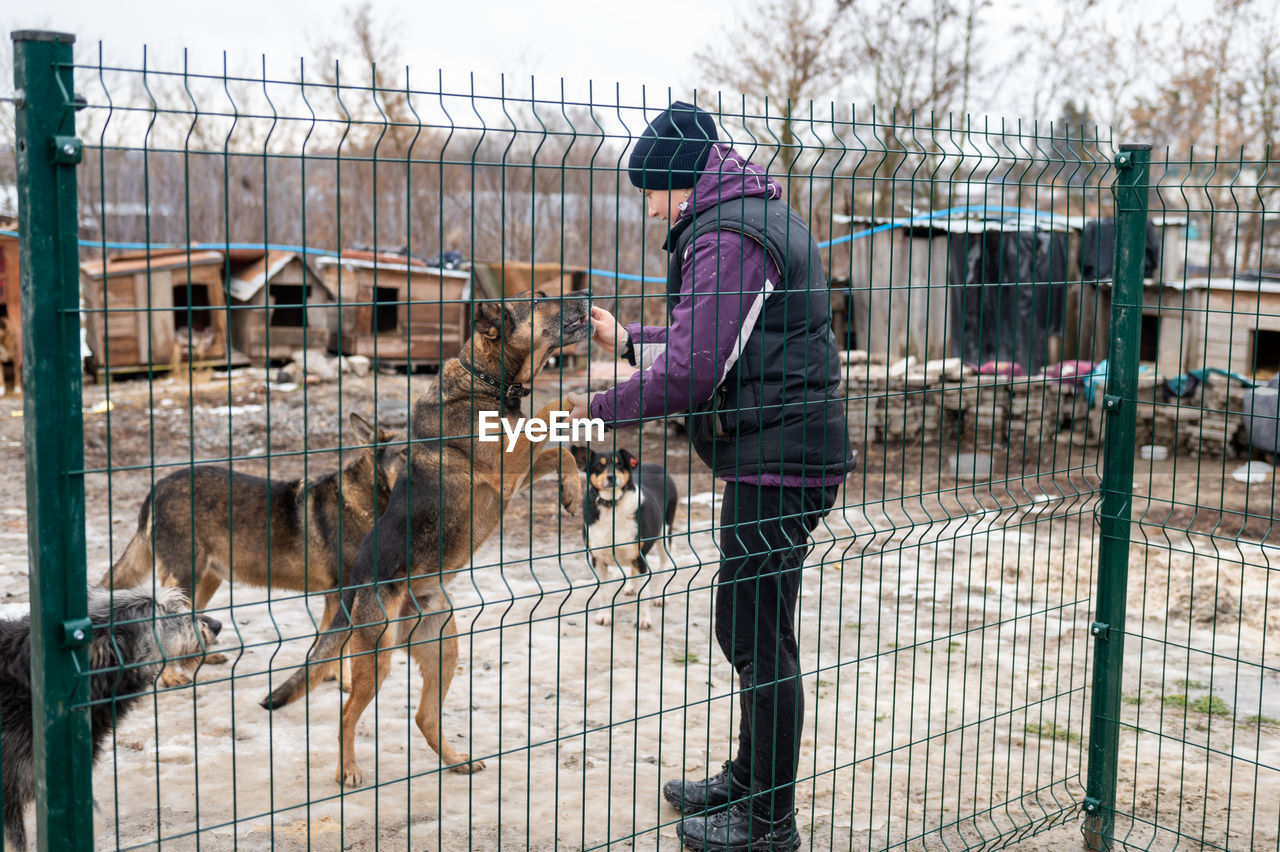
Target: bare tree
783, 55
1220, 97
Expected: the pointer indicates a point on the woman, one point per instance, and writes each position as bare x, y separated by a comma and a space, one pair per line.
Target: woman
750, 355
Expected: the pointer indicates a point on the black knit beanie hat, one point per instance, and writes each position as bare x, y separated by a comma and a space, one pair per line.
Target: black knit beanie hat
673, 148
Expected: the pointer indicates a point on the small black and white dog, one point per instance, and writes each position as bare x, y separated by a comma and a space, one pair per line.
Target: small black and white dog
626, 509
134, 634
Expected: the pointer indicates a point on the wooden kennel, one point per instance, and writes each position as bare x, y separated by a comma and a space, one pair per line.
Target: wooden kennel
395, 308
279, 304
155, 309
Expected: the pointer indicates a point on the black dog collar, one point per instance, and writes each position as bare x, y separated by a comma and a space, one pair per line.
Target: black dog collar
512, 393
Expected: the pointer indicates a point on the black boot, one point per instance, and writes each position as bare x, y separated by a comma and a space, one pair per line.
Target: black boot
704, 797
736, 829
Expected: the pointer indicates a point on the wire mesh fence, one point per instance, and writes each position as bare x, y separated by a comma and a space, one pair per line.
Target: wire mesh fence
289, 287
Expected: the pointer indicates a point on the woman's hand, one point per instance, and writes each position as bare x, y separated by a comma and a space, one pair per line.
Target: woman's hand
579, 403
609, 333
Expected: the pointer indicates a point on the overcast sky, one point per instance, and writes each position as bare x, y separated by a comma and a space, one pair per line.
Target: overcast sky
645, 43
605, 42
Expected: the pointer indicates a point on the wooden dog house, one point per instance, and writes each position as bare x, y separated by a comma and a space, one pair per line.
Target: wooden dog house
894, 303
395, 308
1228, 322
279, 304
155, 309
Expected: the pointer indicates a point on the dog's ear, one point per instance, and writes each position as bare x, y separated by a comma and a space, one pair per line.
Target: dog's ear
492, 319
364, 431
627, 459
582, 456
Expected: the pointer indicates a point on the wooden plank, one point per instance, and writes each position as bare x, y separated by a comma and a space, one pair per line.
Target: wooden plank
161, 317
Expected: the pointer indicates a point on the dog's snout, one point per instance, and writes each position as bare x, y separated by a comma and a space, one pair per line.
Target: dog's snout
611, 480
215, 626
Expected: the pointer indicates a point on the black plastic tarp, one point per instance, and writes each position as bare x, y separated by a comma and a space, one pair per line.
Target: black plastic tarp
1008, 294
1098, 248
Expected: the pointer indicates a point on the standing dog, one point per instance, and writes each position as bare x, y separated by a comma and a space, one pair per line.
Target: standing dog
134, 635
627, 508
448, 500
210, 524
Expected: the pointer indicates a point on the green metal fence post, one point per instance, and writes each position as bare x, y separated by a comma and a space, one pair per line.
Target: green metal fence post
48, 152
1133, 166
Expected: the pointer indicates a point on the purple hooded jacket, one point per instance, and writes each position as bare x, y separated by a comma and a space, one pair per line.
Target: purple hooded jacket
684, 362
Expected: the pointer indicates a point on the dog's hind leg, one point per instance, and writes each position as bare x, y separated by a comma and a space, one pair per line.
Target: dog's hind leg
134, 564
433, 643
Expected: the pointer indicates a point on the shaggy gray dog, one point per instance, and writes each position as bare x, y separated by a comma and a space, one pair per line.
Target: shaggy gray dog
134, 634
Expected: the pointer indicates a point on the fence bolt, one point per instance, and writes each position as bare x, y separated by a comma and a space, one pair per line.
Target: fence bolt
1122, 161
1099, 629
1111, 403
67, 150
76, 632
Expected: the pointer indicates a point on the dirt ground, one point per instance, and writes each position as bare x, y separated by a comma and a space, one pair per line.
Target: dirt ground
944, 633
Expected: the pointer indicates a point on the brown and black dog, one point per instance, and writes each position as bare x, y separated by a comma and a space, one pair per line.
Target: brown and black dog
208, 524
448, 500
10, 355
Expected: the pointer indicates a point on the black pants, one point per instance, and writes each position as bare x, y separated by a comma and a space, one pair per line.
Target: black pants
764, 538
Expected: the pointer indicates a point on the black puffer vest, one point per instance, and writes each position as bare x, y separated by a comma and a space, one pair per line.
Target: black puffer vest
778, 410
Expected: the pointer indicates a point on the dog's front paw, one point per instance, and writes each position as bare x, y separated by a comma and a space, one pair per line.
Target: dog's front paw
467, 766
172, 676
570, 493
215, 659
604, 619
349, 776
645, 622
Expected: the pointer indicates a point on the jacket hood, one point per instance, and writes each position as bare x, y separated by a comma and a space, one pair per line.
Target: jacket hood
727, 176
